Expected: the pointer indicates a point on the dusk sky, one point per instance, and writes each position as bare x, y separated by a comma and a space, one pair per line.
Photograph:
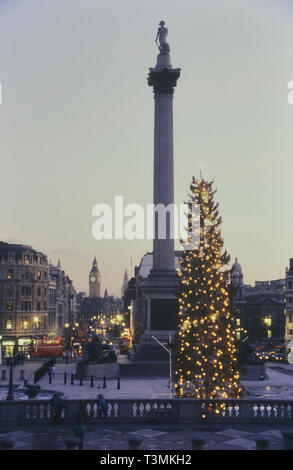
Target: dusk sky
76, 124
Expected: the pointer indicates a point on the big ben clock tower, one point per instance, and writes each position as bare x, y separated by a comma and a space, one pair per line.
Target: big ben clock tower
94, 280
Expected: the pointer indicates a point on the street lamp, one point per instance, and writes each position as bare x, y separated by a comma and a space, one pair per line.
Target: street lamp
0, 350
10, 362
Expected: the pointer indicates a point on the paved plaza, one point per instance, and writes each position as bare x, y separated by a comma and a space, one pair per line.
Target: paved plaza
165, 437
278, 385
110, 436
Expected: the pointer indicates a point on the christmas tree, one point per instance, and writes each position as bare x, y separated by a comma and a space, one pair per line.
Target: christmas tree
205, 353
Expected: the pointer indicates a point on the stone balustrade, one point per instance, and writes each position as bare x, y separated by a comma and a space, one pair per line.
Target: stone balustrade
152, 410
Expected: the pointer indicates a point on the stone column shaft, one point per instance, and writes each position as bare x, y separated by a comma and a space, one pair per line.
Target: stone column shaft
163, 254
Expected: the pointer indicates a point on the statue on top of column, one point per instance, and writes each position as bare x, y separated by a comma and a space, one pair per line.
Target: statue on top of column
161, 38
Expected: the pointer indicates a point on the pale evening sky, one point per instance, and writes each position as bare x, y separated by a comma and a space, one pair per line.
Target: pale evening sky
76, 123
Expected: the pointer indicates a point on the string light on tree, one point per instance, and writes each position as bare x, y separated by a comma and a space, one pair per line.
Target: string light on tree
205, 353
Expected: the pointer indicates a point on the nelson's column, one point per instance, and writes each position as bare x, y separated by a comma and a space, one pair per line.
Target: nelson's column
159, 288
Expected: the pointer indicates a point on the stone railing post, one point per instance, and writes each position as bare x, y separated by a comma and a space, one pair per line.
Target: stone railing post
125, 411
197, 443
262, 444
288, 440
187, 410
72, 444
134, 442
7, 444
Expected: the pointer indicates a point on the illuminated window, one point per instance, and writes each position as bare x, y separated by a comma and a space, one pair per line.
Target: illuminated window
10, 290
10, 274
238, 335
238, 321
9, 324
24, 323
9, 305
269, 333
39, 274
268, 321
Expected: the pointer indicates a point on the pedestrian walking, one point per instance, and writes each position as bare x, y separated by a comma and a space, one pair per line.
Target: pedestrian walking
102, 406
53, 371
58, 405
79, 430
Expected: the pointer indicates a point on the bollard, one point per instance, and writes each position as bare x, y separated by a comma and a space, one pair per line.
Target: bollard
104, 383
197, 443
65, 378
261, 443
92, 381
7, 444
134, 442
3, 374
72, 444
288, 440
21, 377
118, 383
50, 378
80, 380
72, 379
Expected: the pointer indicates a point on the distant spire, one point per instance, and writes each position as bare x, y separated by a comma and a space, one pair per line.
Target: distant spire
106, 293
125, 282
95, 266
59, 264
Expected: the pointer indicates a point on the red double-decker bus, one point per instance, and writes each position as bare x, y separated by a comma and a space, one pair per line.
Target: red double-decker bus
46, 348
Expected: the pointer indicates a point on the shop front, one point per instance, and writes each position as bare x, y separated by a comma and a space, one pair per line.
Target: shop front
8, 347
23, 345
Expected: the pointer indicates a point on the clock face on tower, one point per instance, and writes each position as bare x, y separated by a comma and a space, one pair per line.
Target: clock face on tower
93, 278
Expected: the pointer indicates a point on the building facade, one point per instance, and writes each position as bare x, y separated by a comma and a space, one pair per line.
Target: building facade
24, 286
289, 303
259, 309
63, 303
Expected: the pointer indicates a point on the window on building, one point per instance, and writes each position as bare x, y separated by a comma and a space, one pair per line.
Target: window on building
24, 323
290, 300
10, 274
9, 305
26, 290
9, 324
269, 333
45, 306
238, 321
26, 306
291, 316
39, 274
27, 276
289, 284
59, 308
10, 290
38, 306
238, 335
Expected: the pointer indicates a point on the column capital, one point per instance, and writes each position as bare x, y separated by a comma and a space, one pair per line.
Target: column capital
163, 80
